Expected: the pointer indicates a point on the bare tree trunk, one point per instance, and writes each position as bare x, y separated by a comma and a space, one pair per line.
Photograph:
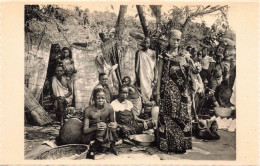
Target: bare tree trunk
120, 23
183, 28
157, 13
142, 19
119, 29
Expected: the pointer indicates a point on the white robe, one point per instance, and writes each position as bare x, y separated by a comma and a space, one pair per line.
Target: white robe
59, 90
146, 64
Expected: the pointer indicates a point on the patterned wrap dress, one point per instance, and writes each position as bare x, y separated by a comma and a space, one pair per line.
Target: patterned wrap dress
174, 124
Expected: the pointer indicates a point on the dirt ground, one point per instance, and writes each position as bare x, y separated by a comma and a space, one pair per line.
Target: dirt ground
222, 149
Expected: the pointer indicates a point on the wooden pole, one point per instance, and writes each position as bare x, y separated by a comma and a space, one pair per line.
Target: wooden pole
142, 19
120, 23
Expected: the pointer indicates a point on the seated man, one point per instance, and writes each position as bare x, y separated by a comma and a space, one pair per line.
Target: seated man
126, 115
103, 84
214, 83
61, 93
210, 101
99, 125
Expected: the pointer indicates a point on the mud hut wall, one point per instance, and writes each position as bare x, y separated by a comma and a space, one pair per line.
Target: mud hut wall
86, 77
37, 52
128, 63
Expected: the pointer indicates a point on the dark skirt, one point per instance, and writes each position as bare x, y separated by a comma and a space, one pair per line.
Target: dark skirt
171, 136
129, 126
174, 123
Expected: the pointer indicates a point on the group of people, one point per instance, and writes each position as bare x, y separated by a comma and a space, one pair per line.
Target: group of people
169, 91
59, 82
108, 118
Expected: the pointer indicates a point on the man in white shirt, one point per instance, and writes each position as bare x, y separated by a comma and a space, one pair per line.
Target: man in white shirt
205, 61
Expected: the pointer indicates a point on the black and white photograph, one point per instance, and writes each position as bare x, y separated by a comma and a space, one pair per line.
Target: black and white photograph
129, 82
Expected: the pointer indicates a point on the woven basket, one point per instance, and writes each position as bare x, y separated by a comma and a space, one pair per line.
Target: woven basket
69, 152
223, 112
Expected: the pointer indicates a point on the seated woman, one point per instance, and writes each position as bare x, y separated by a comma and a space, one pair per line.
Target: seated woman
133, 95
126, 116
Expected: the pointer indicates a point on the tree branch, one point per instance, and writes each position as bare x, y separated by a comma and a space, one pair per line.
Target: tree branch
211, 10
201, 13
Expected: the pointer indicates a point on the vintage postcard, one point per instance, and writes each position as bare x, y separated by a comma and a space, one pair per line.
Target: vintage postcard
127, 82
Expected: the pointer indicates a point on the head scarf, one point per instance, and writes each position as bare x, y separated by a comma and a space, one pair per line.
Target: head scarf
175, 34
217, 73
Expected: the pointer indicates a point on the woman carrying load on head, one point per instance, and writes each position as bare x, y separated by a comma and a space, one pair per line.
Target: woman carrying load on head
174, 124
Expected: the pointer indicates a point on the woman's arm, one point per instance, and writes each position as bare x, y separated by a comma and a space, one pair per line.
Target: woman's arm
51, 90
155, 71
193, 82
139, 119
69, 88
136, 117
200, 82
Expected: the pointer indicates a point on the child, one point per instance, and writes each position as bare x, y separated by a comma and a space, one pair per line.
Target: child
67, 62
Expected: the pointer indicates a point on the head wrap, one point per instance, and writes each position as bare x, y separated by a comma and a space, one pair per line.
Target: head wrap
217, 73
175, 34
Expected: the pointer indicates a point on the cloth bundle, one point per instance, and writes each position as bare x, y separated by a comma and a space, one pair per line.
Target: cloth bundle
228, 124
206, 129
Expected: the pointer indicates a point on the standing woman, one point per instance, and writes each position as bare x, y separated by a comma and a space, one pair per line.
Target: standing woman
174, 123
